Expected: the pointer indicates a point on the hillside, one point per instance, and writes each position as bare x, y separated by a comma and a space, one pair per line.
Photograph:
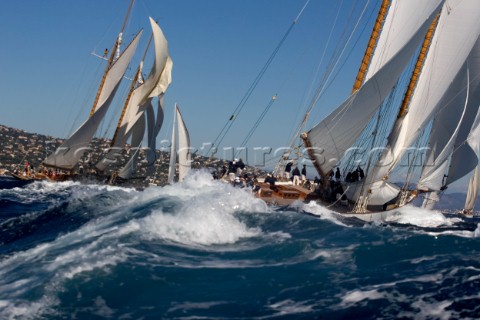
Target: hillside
18, 146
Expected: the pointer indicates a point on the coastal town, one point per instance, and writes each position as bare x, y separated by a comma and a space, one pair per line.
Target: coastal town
19, 147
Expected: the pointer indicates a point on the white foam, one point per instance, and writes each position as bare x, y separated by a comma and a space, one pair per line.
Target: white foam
206, 215
290, 307
420, 217
433, 310
476, 233
356, 296
407, 215
335, 256
322, 212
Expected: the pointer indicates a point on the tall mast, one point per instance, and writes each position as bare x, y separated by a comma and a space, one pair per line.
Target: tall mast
367, 58
372, 43
132, 87
111, 58
418, 68
415, 77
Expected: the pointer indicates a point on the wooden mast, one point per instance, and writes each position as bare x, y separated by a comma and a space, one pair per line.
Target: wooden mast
415, 75
132, 87
418, 68
111, 59
372, 43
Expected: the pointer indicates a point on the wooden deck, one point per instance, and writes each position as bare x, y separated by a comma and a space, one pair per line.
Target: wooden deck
283, 194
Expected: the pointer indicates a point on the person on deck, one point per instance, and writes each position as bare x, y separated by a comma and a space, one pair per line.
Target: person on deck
288, 169
224, 171
270, 179
237, 183
232, 170
296, 176
316, 183
338, 174
240, 166
361, 174
348, 178
304, 174
354, 177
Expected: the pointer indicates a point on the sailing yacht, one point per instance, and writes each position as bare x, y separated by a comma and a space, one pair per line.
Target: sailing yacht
63, 163
182, 148
472, 194
441, 37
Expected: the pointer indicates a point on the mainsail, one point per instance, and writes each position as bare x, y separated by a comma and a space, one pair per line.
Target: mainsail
455, 36
173, 152
154, 124
466, 155
402, 33
138, 130
450, 157
183, 149
70, 151
472, 192
140, 97
184, 155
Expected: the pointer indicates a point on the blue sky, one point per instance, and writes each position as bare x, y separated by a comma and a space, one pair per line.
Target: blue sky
218, 47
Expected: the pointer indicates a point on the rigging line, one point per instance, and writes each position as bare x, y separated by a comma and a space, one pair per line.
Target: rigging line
317, 71
321, 89
341, 54
252, 87
344, 62
328, 69
259, 120
338, 52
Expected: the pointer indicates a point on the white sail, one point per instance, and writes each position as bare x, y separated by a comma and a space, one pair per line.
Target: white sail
149, 88
445, 129
160, 76
430, 199
403, 32
455, 36
466, 155
184, 155
183, 148
154, 126
151, 155
173, 153
70, 152
404, 19
463, 158
138, 130
472, 191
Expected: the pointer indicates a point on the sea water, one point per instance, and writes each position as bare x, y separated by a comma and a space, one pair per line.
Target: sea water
202, 249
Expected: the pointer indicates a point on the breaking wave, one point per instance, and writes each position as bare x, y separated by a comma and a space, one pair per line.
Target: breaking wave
203, 249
